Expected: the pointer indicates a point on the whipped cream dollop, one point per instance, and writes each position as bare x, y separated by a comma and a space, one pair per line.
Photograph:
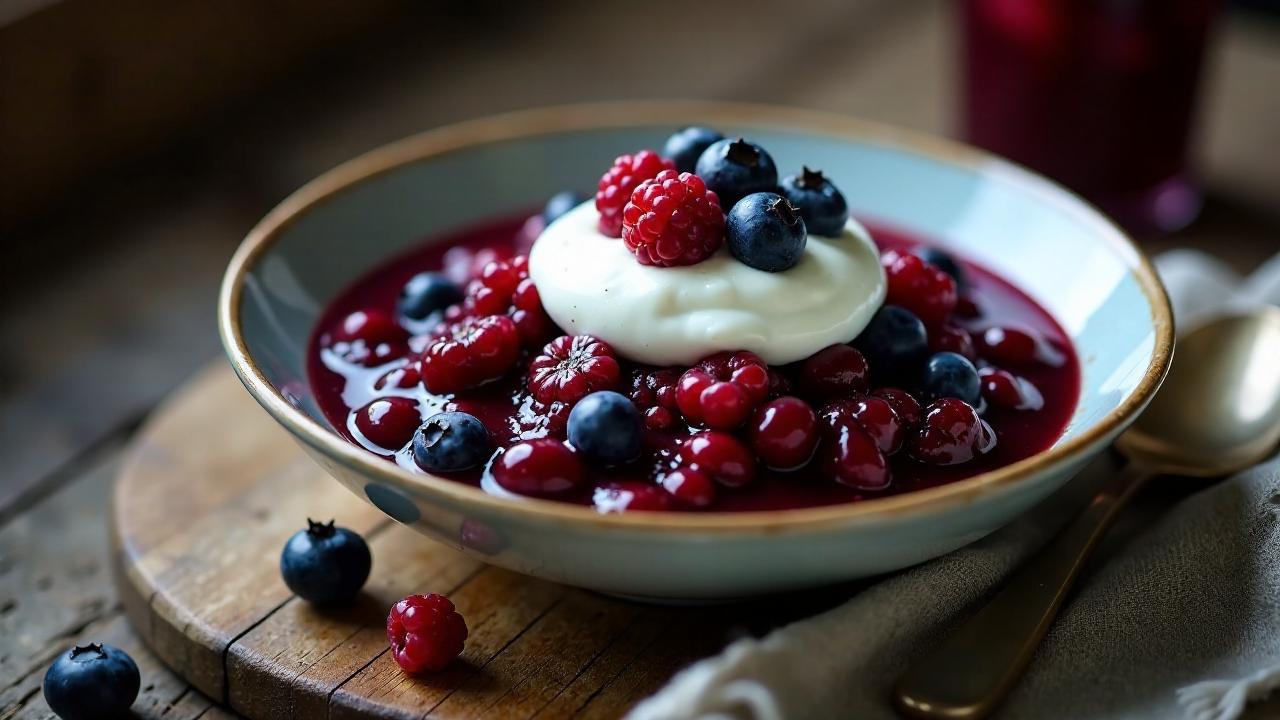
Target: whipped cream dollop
590, 284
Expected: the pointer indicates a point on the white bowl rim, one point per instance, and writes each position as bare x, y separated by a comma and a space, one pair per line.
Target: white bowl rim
585, 117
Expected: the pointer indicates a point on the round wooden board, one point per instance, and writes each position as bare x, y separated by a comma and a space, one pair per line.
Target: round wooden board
210, 490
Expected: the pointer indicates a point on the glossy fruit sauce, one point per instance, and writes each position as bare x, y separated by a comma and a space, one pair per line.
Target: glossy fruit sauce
505, 408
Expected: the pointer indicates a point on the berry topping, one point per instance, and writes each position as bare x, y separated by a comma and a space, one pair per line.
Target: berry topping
765, 231
919, 287
630, 497
426, 633
369, 337
654, 394
450, 442
559, 204
325, 565
473, 352
852, 457
835, 371
673, 220
904, 404
570, 367
1011, 346
895, 343
1004, 389
690, 487
874, 415
950, 338
949, 434
402, 378
720, 455
91, 681
947, 374
605, 427
532, 321
538, 467
722, 390
388, 422
784, 432
945, 263
687, 145
617, 184
736, 168
426, 293
821, 205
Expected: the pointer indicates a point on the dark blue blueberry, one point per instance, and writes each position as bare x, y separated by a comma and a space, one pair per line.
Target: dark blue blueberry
945, 263
948, 374
895, 343
606, 427
92, 681
765, 231
426, 293
687, 145
821, 205
451, 441
325, 565
736, 168
559, 204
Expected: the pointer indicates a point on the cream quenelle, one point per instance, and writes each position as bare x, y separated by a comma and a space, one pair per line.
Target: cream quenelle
590, 284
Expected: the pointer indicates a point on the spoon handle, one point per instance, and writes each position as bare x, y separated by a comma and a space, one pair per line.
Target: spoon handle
972, 670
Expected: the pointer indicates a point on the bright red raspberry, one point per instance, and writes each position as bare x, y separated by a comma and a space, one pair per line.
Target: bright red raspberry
721, 391
426, 633
950, 434
784, 432
673, 220
388, 422
720, 455
571, 367
474, 351
851, 457
904, 405
919, 287
616, 185
654, 394
836, 371
874, 415
630, 496
690, 487
538, 467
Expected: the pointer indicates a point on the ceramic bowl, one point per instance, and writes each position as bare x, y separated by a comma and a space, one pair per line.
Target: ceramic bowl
1051, 244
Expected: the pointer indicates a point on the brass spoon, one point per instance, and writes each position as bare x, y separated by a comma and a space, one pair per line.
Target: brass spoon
1217, 413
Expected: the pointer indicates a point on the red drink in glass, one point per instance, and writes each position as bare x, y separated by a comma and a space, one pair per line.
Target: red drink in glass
1097, 94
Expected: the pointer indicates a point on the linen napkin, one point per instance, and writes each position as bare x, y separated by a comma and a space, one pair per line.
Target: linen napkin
1181, 618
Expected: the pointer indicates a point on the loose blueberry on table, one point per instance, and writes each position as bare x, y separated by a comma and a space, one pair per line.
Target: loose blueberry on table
324, 564
471, 359
92, 681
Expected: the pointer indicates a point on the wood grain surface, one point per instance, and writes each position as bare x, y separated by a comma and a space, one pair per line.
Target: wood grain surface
208, 493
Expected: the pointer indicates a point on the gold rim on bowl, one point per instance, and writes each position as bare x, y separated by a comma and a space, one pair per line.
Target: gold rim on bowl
585, 117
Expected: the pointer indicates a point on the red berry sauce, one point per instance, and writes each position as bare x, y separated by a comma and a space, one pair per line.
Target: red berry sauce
355, 362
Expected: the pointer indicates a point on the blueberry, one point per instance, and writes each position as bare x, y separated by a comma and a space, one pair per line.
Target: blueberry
736, 168
559, 204
426, 293
92, 681
765, 231
895, 343
821, 205
606, 427
948, 374
325, 565
943, 262
687, 145
451, 441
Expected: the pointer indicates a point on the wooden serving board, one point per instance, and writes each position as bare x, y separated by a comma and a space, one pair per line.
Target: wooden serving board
210, 490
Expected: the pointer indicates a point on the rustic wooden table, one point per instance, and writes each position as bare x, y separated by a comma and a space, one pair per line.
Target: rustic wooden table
121, 311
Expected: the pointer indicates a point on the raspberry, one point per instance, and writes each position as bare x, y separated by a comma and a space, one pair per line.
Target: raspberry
425, 632
654, 394
538, 467
616, 185
474, 351
722, 390
690, 487
630, 497
570, 367
720, 455
919, 287
673, 220
784, 433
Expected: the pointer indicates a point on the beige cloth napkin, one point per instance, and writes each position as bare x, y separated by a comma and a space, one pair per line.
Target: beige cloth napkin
1179, 618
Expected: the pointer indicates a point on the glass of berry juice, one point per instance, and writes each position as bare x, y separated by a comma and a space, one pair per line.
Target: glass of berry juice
1097, 94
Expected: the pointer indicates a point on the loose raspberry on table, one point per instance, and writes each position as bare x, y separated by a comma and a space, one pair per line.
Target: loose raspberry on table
673, 220
919, 287
721, 390
616, 185
472, 352
572, 366
654, 395
426, 632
